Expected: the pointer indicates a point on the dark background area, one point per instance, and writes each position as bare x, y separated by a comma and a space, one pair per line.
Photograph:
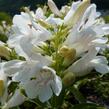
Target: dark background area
13, 6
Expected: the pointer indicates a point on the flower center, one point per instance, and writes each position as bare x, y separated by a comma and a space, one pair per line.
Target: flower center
44, 77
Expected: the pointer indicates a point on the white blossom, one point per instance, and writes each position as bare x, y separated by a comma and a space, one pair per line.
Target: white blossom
89, 62
26, 35
35, 77
15, 100
86, 33
3, 85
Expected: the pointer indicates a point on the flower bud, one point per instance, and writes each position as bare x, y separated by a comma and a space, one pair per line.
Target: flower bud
68, 54
68, 79
26, 9
45, 24
4, 52
1, 87
54, 8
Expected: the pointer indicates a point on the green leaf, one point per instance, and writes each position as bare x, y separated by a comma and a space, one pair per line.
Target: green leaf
87, 106
106, 18
12, 87
3, 37
77, 94
57, 101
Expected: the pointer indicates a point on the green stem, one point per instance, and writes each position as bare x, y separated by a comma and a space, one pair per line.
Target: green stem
78, 95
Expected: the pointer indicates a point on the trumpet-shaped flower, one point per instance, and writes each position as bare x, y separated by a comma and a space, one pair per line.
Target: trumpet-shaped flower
86, 32
3, 85
35, 78
24, 34
89, 62
77, 10
17, 99
46, 82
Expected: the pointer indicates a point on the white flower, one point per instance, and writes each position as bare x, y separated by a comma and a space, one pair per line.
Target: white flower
15, 100
17, 66
86, 33
35, 77
65, 9
72, 10
83, 40
43, 85
54, 21
89, 62
3, 85
54, 8
101, 29
6, 102
39, 14
76, 12
26, 35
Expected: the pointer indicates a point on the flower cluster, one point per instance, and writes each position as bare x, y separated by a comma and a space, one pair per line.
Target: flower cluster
46, 45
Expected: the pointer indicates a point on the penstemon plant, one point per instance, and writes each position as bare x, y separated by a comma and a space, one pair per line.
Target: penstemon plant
49, 51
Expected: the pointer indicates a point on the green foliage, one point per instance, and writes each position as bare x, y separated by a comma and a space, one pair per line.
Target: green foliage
3, 37
5, 17
87, 106
106, 18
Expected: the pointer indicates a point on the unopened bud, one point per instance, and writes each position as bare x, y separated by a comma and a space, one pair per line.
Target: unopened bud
1, 87
68, 79
44, 24
4, 52
26, 9
68, 54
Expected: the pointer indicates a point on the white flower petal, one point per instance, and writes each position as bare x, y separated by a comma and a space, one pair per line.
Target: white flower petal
57, 85
15, 100
101, 68
100, 59
31, 89
81, 67
45, 93
44, 30
89, 17
27, 72
74, 6
3, 85
54, 8
54, 21
100, 64
11, 67
101, 30
79, 40
76, 16
39, 14
100, 42
24, 21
